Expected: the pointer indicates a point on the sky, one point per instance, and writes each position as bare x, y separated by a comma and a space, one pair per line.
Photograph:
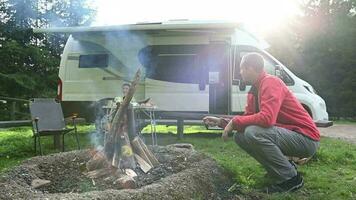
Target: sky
260, 16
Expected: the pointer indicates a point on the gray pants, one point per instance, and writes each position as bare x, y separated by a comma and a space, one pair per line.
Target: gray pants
270, 146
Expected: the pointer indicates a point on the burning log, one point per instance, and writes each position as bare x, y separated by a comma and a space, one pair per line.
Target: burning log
98, 161
99, 173
118, 160
130, 172
123, 154
117, 138
126, 182
127, 159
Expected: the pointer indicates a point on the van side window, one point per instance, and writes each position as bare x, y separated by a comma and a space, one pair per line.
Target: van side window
93, 61
173, 63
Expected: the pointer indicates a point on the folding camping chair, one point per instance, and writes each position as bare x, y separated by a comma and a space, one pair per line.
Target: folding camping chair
48, 120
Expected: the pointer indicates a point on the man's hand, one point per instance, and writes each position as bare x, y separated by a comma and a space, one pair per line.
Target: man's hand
229, 127
212, 121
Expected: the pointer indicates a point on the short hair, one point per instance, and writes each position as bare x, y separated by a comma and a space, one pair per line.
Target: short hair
254, 61
126, 84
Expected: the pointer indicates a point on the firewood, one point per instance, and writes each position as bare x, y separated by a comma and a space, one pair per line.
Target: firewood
97, 161
117, 151
144, 166
140, 151
126, 182
150, 155
130, 173
115, 160
183, 145
127, 159
99, 173
37, 183
118, 132
124, 105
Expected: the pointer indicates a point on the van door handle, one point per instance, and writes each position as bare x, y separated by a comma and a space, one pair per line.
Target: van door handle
202, 86
109, 78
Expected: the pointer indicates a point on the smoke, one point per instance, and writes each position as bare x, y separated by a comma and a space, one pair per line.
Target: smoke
123, 48
96, 139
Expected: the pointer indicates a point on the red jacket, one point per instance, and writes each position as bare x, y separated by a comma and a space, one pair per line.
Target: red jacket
277, 107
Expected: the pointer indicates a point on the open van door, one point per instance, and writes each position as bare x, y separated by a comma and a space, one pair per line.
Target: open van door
193, 78
176, 78
217, 60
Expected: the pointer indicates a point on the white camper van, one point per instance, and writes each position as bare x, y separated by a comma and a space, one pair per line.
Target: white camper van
189, 67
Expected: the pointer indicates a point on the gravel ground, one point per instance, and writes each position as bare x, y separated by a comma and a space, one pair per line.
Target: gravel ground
345, 132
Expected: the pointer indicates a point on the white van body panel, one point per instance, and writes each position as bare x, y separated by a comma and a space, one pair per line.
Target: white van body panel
87, 84
184, 97
92, 84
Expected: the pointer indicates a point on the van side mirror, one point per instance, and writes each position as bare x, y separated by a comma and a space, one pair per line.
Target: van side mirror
278, 71
283, 75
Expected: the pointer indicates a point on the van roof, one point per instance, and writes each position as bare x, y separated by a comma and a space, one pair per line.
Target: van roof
169, 25
173, 25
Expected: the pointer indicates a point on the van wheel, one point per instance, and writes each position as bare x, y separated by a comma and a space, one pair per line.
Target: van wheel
308, 110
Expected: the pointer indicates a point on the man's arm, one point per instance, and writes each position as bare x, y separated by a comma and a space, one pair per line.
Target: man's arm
224, 123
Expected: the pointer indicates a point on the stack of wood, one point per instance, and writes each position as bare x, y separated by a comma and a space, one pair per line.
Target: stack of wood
120, 155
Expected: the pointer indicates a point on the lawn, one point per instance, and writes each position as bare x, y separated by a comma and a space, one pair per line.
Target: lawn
330, 175
352, 122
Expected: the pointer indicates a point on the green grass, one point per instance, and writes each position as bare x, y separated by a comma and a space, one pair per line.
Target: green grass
16, 144
331, 175
345, 122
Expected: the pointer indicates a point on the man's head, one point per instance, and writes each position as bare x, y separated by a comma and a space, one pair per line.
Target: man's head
251, 67
125, 88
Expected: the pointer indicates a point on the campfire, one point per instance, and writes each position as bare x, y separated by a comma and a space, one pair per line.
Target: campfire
122, 155
123, 168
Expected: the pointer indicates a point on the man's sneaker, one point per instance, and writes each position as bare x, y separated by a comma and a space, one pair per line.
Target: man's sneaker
267, 175
293, 164
289, 185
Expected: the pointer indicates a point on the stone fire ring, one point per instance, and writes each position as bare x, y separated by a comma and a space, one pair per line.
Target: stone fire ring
196, 177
